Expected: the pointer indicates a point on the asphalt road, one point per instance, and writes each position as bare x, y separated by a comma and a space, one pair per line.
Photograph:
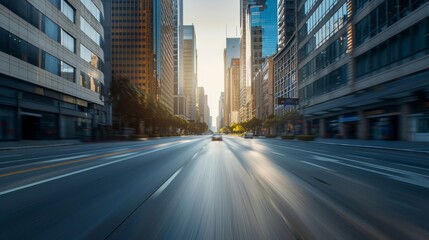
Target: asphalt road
193, 188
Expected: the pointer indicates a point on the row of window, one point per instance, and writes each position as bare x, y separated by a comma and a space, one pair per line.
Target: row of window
306, 7
328, 83
328, 56
410, 43
332, 26
90, 31
92, 9
27, 52
321, 11
386, 14
66, 8
33, 16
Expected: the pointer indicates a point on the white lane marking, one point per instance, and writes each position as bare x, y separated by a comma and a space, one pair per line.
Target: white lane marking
408, 177
194, 156
165, 185
120, 149
315, 165
280, 154
65, 159
10, 156
324, 159
366, 158
121, 155
83, 170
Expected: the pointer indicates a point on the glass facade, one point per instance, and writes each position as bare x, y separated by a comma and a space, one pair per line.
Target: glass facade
90, 83
68, 10
333, 25
409, 44
90, 57
92, 9
68, 41
326, 57
382, 17
324, 7
67, 72
263, 18
90, 31
21, 49
330, 82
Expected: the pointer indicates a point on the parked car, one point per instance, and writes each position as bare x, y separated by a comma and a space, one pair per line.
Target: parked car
217, 137
248, 135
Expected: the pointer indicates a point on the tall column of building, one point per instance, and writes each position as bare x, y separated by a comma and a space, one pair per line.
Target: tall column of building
261, 41
190, 71
133, 43
165, 52
232, 51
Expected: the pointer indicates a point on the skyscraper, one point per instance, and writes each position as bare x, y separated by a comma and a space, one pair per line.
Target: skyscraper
232, 51
178, 45
51, 76
261, 41
164, 51
190, 71
234, 91
133, 48
142, 46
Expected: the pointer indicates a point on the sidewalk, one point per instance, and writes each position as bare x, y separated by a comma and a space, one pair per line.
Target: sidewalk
15, 145
418, 147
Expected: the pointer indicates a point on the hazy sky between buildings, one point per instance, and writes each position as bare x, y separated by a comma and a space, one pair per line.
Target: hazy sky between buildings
212, 20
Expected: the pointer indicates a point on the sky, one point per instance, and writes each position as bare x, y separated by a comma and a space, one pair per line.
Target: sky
213, 20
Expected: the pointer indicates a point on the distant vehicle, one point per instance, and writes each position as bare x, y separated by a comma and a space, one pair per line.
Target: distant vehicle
248, 135
216, 137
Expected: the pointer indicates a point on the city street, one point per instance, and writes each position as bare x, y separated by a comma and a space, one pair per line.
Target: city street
195, 188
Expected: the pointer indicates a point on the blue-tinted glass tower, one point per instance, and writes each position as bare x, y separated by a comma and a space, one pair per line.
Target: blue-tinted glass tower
261, 39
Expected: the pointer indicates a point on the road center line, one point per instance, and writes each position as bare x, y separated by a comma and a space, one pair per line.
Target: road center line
165, 185
280, 154
83, 170
64, 159
315, 165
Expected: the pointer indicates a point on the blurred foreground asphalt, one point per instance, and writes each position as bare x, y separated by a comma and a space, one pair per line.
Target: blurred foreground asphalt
193, 188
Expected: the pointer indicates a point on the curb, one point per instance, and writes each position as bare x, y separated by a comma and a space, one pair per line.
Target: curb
374, 147
36, 146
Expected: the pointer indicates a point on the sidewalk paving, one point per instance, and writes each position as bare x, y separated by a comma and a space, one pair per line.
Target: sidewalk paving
406, 146
24, 144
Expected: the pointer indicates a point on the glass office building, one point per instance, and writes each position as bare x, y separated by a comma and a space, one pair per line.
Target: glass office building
261, 41
362, 68
51, 62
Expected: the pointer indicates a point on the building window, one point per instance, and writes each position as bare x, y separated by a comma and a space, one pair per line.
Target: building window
68, 41
51, 29
90, 31
51, 63
92, 9
85, 80
423, 125
68, 10
90, 57
67, 72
